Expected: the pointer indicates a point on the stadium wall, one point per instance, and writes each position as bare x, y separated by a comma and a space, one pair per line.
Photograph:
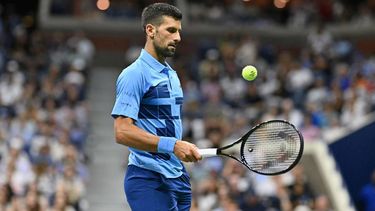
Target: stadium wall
355, 158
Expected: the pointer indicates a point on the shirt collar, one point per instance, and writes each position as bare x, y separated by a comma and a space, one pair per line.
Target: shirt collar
155, 64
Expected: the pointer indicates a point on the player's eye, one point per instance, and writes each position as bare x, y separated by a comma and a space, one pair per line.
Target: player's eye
172, 30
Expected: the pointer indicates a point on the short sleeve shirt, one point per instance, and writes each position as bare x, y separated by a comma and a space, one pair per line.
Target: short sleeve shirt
150, 93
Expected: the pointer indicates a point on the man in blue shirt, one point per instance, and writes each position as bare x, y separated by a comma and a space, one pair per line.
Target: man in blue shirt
147, 113
367, 195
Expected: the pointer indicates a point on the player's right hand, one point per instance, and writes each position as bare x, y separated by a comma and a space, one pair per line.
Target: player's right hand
186, 151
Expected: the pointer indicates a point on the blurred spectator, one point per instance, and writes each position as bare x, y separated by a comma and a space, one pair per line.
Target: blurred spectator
367, 195
290, 113
247, 52
84, 49
327, 86
308, 130
11, 86
365, 16
208, 198
320, 40
233, 88
321, 203
300, 192
252, 202
300, 79
318, 93
354, 108
73, 185
44, 120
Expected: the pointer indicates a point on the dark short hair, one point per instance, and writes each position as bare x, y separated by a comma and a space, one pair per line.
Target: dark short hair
153, 13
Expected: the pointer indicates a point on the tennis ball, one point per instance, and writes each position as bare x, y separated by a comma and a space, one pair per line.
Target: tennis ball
249, 72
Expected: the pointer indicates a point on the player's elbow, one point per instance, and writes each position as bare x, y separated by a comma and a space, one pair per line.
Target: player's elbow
121, 138
118, 137
123, 130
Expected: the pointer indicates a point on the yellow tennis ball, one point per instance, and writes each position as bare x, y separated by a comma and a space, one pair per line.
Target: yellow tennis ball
249, 72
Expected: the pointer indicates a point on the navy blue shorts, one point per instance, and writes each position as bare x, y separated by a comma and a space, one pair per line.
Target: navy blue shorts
150, 191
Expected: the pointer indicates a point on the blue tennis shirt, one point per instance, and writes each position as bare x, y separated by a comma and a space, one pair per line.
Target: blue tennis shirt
151, 94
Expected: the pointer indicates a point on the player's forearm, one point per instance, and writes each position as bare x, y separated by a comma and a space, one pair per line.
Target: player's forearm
132, 136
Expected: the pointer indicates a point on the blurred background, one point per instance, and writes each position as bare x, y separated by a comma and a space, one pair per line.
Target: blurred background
59, 60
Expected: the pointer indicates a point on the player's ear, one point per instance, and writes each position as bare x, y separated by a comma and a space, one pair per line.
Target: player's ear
150, 30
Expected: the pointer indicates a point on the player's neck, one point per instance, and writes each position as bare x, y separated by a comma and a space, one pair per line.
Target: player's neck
151, 50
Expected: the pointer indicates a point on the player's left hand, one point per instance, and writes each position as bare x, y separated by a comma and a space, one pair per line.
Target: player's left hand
186, 151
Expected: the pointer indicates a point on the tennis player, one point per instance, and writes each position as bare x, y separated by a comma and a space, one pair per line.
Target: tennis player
147, 118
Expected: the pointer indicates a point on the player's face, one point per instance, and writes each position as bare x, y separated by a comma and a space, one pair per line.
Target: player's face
167, 36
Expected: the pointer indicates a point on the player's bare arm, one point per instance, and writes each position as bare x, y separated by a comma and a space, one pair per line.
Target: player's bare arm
128, 134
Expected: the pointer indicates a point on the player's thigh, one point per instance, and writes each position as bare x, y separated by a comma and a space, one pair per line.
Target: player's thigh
145, 197
147, 192
184, 201
143, 194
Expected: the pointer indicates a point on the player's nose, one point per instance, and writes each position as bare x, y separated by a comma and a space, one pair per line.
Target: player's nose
177, 37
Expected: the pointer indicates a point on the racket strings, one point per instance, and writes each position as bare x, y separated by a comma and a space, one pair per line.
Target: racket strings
272, 148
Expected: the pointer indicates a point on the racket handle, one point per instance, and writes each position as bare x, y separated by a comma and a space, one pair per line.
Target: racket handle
210, 152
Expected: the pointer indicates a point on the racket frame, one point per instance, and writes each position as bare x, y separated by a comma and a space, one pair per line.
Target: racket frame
243, 140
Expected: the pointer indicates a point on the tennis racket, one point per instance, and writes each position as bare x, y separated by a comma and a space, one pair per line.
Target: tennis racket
270, 148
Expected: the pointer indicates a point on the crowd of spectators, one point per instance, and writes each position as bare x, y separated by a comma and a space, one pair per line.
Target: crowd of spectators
43, 117
328, 85
292, 13
323, 88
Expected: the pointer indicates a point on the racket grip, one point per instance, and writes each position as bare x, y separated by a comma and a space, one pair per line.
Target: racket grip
210, 152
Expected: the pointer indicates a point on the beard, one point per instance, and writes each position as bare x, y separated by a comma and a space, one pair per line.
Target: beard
165, 52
